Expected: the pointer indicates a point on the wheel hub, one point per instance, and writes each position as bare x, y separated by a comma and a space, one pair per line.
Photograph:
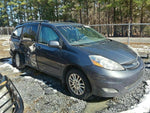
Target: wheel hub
76, 84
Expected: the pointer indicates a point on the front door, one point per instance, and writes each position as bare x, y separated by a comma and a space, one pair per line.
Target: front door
48, 58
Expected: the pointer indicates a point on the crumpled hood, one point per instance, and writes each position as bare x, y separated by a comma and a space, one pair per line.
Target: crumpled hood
110, 49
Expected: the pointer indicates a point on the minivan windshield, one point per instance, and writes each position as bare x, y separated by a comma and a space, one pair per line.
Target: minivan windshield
80, 35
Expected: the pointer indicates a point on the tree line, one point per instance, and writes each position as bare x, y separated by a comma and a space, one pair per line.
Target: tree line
81, 11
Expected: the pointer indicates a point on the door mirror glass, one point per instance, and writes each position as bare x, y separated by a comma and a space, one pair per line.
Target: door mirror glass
54, 44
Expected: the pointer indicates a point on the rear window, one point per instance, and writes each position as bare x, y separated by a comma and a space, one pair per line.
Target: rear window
30, 31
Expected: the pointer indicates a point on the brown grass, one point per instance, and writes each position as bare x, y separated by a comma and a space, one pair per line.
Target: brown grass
3, 52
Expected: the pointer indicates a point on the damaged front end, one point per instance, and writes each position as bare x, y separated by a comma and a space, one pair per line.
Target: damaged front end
10, 99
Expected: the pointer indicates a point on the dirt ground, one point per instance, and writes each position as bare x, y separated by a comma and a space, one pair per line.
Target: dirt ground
4, 48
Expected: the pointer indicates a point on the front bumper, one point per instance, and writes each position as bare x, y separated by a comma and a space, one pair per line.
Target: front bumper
120, 81
10, 99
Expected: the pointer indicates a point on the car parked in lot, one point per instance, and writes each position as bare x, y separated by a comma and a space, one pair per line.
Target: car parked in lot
86, 62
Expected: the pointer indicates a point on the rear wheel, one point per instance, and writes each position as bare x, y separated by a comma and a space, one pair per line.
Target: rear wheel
18, 61
78, 84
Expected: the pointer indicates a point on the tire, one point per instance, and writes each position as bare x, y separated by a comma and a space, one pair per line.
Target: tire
18, 61
78, 85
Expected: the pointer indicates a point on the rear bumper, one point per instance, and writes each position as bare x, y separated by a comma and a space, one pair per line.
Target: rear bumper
10, 98
119, 82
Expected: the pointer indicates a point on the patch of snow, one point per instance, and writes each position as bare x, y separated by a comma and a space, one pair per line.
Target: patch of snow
75, 99
36, 80
5, 43
54, 90
144, 105
4, 38
28, 77
146, 47
6, 49
24, 73
146, 50
9, 66
40, 81
148, 65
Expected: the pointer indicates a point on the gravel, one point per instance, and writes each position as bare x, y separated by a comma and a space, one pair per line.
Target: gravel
44, 94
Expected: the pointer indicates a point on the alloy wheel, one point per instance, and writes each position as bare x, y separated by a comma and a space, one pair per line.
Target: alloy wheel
76, 84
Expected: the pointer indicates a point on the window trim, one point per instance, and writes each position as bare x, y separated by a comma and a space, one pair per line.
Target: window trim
17, 37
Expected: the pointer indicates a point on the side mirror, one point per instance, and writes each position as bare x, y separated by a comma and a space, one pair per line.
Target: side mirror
54, 44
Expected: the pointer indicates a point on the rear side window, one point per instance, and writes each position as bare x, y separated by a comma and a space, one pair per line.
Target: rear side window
17, 32
47, 34
29, 32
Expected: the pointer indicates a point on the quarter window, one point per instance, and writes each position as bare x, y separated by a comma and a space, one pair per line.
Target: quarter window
46, 35
17, 32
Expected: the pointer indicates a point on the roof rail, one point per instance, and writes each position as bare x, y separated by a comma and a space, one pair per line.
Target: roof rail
34, 21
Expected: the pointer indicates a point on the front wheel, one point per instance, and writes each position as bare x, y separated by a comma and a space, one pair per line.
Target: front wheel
77, 84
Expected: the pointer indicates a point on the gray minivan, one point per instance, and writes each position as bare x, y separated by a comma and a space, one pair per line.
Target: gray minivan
86, 62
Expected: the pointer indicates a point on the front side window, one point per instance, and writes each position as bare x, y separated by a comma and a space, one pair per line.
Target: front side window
17, 32
47, 34
78, 35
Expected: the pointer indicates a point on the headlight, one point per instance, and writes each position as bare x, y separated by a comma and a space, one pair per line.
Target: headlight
105, 62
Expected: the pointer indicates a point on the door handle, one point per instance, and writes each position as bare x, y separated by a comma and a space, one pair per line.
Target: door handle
38, 47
